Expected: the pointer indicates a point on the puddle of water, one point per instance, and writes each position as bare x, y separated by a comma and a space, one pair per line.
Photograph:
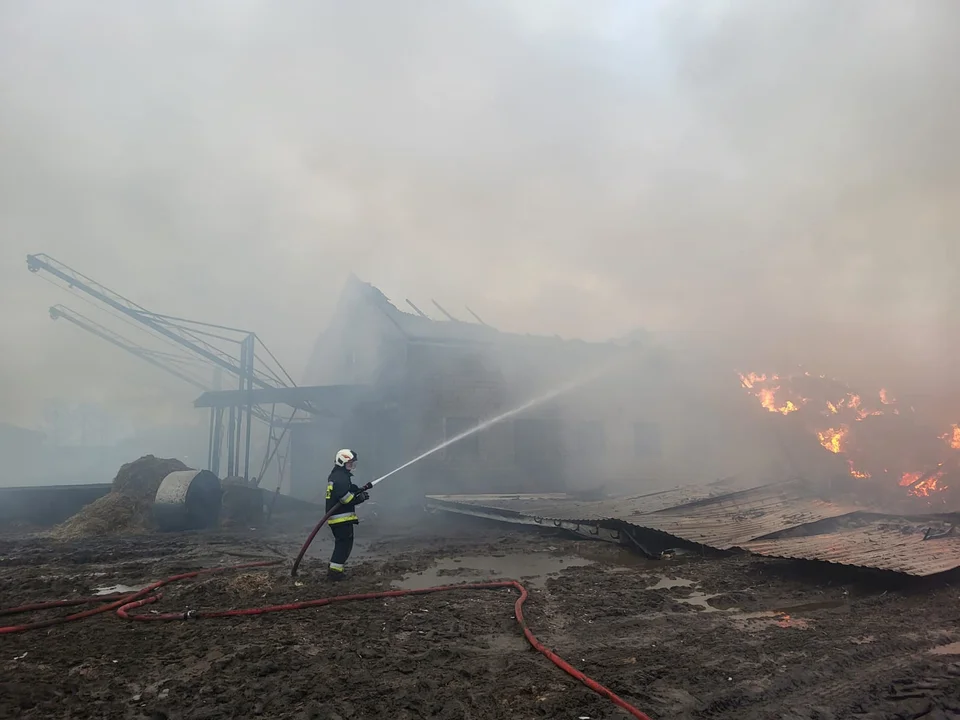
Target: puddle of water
665, 583
624, 558
115, 589
951, 649
700, 600
532, 568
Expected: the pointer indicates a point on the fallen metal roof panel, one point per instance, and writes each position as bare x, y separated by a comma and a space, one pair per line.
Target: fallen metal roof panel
728, 526
740, 520
726, 521
759, 496
559, 506
721, 522
881, 545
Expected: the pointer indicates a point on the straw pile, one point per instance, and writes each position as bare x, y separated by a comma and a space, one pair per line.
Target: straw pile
125, 510
250, 584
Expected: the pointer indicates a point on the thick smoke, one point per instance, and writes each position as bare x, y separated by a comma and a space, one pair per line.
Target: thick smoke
779, 178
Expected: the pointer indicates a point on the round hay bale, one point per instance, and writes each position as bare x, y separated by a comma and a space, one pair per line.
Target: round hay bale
188, 500
242, 506
125, 510
141, 478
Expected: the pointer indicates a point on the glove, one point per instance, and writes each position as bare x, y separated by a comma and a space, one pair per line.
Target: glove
361, 497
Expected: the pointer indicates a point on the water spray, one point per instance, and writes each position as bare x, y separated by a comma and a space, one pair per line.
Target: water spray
546, 397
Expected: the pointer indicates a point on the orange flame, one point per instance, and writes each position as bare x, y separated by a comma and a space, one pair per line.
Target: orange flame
928, 485
952, 438
909, 478
857, 473
768, 398
837, 439
833, 438
788, 408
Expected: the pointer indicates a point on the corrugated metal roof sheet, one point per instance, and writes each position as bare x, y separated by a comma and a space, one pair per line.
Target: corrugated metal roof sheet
725, 526
879, 545
559, 506
741, 520
693, 514
726, 521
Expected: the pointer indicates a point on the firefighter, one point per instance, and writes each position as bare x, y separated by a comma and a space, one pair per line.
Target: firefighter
341, 489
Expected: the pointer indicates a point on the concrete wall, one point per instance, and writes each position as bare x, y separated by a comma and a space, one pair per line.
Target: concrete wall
48, 505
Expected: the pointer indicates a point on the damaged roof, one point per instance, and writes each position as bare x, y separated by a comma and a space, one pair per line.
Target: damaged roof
557, 506
881, 545
426, 328
747, 519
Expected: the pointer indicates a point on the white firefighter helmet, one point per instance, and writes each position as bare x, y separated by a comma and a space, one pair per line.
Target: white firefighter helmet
345, 457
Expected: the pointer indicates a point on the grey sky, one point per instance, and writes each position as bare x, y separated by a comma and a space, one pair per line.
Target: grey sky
782, 174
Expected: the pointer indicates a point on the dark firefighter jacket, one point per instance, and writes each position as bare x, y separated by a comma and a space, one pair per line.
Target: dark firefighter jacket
340, 488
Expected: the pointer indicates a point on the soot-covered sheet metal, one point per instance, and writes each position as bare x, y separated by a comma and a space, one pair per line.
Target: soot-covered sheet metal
734, 520
722, 522
880, 545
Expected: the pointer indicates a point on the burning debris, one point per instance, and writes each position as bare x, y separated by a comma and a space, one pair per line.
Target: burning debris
952, 438
870, 432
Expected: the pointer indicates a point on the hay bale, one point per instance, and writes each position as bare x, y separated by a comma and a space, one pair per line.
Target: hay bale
141, 478
113, 514
242, 506
125, 510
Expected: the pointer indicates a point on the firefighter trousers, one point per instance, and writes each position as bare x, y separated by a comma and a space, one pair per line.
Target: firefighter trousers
342, 546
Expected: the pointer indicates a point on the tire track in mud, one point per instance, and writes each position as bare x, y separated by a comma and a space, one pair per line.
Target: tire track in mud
827, 685
684, 664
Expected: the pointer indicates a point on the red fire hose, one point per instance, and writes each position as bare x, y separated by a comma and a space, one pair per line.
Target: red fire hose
310, 537
113, 604
147, 596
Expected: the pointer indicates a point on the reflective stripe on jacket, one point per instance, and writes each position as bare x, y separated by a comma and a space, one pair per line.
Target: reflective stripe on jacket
340, 489
343, 518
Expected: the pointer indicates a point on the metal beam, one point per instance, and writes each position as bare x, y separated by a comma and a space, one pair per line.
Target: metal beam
476, 317
417, 310
84, 323
35, 263
319, 397
440, 308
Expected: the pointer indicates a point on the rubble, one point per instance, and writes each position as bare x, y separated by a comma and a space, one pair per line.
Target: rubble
125, 509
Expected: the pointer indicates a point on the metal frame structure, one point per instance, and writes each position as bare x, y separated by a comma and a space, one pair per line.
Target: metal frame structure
157, 359
199, 340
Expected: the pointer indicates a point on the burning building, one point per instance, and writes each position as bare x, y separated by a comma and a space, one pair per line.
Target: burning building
894, 450
405, 382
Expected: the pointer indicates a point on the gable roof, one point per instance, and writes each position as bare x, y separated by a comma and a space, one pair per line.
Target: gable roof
417, 328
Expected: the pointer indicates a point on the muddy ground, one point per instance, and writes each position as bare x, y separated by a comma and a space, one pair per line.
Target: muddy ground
694, 637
